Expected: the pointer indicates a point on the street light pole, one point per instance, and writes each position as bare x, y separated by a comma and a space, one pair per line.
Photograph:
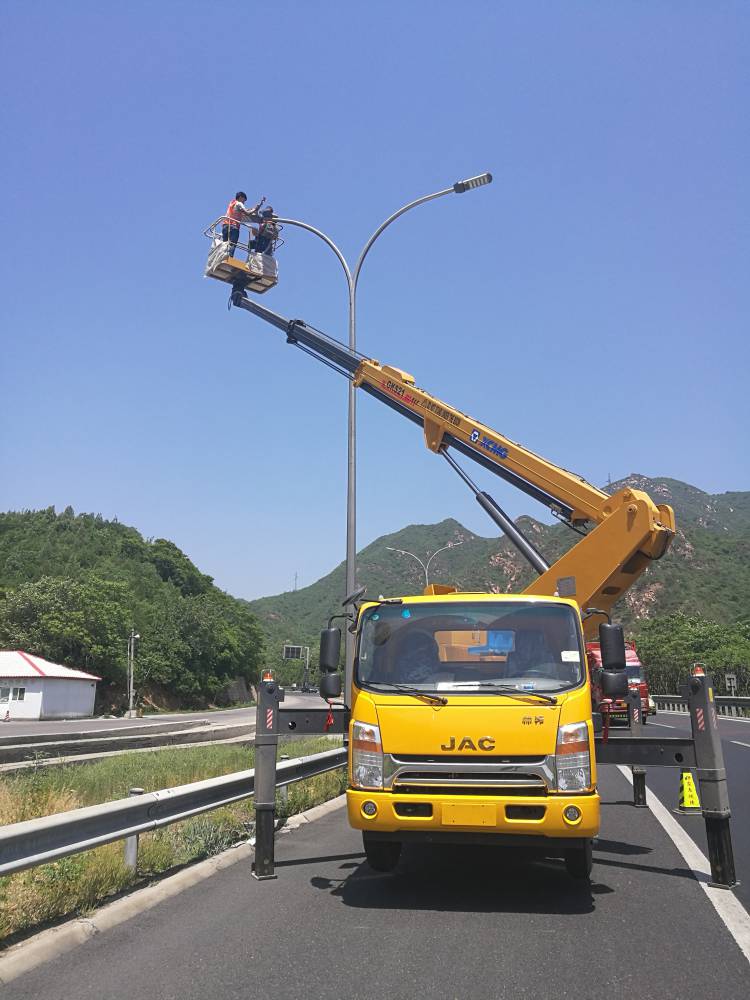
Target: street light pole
132, 638
352, 280
425, 566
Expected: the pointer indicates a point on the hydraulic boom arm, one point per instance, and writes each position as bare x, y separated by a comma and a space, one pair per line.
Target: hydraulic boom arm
627, 530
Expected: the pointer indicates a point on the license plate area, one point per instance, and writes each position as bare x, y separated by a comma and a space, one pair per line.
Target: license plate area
469, 814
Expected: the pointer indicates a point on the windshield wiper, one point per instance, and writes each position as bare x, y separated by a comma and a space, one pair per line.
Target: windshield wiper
434, 699
505, 689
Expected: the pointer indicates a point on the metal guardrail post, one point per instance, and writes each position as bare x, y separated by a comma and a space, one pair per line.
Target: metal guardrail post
284, 790
131, 843
712, 778
270, 695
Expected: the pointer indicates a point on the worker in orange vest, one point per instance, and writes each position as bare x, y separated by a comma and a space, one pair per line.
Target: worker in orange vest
235, 214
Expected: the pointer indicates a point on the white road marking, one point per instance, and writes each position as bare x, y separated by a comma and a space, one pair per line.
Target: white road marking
663, 725
739, 743
721, 718
730, 909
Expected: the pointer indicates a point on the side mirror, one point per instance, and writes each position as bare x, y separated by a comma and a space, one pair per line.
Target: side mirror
612, 646
330, 649
614, 683
330, 686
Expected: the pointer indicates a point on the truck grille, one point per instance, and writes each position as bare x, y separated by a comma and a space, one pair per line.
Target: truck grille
457, 776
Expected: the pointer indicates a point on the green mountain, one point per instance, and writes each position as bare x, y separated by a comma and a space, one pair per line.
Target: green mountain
706, 571
72, 588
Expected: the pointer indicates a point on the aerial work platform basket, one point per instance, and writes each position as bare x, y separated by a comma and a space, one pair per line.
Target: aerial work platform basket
239, 262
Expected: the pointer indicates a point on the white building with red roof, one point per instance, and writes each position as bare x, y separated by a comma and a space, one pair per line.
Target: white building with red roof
34, 688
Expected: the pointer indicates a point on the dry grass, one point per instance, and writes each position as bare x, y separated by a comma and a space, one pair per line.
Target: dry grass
76, 884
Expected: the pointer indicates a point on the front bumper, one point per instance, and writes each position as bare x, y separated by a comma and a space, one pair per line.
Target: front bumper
479, 816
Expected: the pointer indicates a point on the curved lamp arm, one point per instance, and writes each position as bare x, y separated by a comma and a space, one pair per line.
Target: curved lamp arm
326, 239
404, 552
450, 545
458, 188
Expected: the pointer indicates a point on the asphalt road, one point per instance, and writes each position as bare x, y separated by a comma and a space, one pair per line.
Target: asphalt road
230, 715
735, 741
450, 924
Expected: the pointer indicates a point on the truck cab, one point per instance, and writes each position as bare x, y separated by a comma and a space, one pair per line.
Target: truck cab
471, 721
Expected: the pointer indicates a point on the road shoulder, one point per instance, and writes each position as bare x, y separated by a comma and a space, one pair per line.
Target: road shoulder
49, 944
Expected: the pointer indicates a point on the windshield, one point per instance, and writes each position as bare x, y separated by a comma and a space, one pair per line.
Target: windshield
470, 647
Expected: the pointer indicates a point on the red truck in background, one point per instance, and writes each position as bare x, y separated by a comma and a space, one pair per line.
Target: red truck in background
636, 680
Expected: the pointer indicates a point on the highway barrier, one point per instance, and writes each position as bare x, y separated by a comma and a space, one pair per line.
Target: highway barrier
38, 841
725, 705
139, 738
134, 729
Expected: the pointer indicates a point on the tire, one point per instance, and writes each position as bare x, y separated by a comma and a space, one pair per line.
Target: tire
382, 855
644, 718
578, 861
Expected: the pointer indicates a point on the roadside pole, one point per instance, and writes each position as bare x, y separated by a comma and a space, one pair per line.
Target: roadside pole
270, 695
712, 780
635, 720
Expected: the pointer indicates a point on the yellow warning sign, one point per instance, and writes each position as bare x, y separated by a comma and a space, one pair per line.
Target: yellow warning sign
689, 801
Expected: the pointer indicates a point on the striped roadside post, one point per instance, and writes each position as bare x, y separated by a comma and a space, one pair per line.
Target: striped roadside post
270, 695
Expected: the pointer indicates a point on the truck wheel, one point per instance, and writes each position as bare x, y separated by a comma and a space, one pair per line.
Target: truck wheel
644, 718
382, 855
578, 861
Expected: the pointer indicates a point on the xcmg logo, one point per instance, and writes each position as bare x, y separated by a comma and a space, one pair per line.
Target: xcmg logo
484, 442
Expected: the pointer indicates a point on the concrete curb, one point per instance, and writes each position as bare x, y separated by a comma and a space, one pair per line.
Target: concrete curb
46, 945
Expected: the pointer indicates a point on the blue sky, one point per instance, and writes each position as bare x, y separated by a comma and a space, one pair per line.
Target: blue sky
591, 303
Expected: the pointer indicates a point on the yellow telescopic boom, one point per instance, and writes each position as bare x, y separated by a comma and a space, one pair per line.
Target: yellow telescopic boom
626, 531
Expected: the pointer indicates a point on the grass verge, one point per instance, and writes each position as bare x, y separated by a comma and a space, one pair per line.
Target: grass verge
74, 885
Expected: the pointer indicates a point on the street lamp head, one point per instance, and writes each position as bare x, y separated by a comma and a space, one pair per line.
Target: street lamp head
472, 182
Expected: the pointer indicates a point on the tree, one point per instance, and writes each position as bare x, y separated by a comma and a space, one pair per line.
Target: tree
670, 645
174, 566
81, 623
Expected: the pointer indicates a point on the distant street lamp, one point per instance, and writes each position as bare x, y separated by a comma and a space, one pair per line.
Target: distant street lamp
352, 278
425, 566
132, 639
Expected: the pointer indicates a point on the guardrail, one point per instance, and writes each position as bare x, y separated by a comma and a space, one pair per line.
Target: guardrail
725, 705
144, 737
99, 734
37, 841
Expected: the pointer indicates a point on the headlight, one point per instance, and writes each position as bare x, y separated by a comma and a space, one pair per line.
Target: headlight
367, 756
573, 758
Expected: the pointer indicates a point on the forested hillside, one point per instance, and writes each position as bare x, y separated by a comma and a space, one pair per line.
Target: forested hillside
72, 587
706, 572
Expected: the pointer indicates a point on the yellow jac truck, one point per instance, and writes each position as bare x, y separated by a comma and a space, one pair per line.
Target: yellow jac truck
471, 720
472, 715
